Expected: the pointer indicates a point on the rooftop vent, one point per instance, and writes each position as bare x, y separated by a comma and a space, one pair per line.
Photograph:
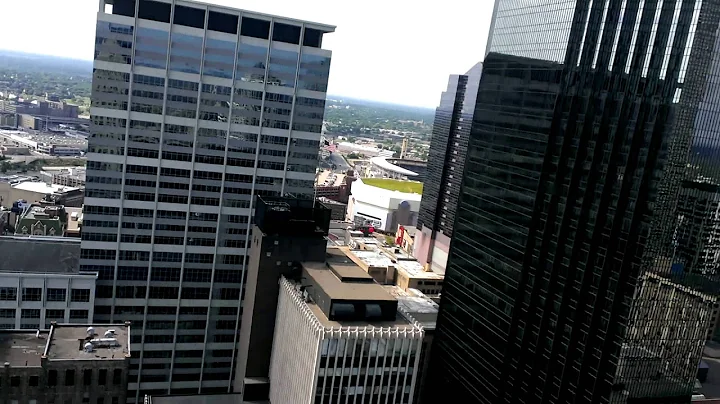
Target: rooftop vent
89, 347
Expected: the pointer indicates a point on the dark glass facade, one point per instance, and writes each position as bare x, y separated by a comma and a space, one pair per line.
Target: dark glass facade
448, 148
557, 288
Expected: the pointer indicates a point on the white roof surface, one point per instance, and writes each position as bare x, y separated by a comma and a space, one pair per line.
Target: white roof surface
388, 166
42, 188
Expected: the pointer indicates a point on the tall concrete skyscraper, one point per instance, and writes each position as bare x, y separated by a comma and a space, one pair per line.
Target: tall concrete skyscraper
590, 117
196, 109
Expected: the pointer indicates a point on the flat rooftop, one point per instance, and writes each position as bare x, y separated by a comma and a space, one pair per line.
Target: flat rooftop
399, 322
22, 348
415, 270
416, 304
72, 225
339, 290
344, 267
40, 255
43, 188
66, 342
328, 178
373, 258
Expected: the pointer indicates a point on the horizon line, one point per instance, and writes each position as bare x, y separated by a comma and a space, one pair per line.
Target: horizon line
326, 95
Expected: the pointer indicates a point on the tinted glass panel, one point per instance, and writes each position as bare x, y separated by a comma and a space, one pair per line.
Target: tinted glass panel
151, 48
185, 53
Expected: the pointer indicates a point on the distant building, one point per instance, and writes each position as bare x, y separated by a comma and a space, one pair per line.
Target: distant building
417, 166
8, 119
446, 162
53, 143
382, 208
340, 336
40, 192
332, 186
390, 170
29, 122
70, 364
40, 283
72, 177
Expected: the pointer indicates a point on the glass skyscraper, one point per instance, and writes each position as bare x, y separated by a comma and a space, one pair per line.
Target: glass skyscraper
593, 119
196, 109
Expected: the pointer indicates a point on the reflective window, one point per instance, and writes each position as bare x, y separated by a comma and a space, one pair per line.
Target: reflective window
113, 42
314, 72
219, 58
151, 48
283, 66
185, 53
251, 61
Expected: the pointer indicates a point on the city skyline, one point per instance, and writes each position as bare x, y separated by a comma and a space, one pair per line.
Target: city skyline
402, 61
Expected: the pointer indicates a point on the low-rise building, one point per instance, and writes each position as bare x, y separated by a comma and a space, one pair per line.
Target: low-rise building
40, 282
40, 192
70, 177
384, 203
70, 364
331, 185
40, 220
340, 336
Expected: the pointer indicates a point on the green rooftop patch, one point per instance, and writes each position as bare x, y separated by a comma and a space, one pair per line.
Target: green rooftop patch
395, 185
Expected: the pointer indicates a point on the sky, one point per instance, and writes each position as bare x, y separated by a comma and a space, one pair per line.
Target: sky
395, 51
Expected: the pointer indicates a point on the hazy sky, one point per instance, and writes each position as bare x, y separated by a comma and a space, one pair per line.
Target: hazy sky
397, 51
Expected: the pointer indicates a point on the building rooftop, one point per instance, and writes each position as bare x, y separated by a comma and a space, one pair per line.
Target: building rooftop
67, 341
411, 187
373, 258
40, 254
328, 178
335, 288
72, 224
399, 321
416, 304
415, 269
22, 348
43, 188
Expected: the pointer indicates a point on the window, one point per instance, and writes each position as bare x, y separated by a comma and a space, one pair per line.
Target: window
52, 378
117, 376
79, 314
70, 377
54, 314
77, 295
7, 294
30, 313
34, 381
32, 294
7, 313
56, 295
87, 377
102, 377
15, 381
